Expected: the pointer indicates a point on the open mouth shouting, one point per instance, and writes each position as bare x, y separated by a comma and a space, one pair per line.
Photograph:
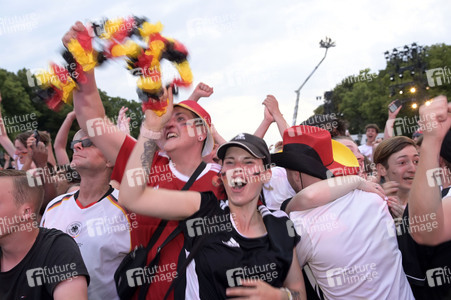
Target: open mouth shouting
171, 135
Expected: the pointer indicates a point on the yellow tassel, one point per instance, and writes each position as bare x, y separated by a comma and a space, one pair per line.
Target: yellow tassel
111, 27
147, 28
185, 71
86, 60
148, 84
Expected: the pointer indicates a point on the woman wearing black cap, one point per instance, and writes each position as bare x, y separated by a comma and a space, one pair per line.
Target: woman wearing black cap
241, 239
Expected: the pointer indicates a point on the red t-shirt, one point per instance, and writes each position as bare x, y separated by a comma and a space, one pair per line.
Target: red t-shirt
163, 175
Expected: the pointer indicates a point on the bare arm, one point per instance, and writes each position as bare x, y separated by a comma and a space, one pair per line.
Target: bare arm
295, 281
51, 157
424, 185
91, 113
6, 143
325, 191
264, 125
39, 154
136, 196
61, 139
273, 107
259, 289
73, 288
201, 91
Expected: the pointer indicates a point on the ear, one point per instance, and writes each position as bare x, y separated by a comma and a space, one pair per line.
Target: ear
266, 176
109, 164
381, 170
27, 212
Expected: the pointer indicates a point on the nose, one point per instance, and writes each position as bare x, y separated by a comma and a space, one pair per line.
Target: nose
412, 167
78, 146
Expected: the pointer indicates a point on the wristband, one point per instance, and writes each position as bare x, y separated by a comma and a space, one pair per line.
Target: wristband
149, 134
290, 297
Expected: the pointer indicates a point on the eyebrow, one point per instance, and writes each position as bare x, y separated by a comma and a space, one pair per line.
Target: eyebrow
404, 156
247, 157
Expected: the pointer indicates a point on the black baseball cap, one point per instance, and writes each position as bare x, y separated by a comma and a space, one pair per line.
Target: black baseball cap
251, 143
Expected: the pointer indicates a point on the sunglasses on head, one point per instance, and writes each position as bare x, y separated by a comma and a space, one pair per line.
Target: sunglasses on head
85, 143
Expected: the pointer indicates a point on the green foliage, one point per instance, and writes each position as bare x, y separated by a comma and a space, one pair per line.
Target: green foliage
364, 99
17, 100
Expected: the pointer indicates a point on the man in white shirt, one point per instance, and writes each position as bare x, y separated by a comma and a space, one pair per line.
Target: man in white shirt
371, 132
92, 216
349, 244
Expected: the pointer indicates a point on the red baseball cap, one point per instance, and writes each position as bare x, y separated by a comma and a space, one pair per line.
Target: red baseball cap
199, 111
311, 150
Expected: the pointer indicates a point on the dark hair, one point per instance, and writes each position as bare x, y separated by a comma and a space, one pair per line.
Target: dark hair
374, 126
23, 137
389, 146
23, 191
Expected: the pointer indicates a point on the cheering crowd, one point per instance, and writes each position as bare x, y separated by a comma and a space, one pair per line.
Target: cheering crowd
180, 213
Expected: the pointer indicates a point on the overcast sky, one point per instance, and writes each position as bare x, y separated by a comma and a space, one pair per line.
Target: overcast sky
245, 49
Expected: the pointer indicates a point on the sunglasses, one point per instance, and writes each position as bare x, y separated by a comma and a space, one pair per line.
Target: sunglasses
85, 143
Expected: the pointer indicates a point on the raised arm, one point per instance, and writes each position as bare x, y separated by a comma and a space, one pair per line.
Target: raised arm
201, 91
425, 199
61, 139
6, 143
264, 125
273, 108
388, 131
91, 113
325, 191
135, 195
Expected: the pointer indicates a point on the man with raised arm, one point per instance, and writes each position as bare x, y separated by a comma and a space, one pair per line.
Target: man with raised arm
183, 142
429, 198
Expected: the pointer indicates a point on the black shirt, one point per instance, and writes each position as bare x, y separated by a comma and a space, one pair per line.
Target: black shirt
425, 266
226, 256
53, 258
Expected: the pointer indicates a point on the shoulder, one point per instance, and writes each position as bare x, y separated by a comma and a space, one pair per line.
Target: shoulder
59, 200
56, 238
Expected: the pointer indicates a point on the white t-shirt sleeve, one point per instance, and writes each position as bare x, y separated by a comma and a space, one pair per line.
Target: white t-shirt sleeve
278, 189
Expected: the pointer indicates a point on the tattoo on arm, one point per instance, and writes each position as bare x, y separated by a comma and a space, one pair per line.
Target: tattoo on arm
295, 295
150, 147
